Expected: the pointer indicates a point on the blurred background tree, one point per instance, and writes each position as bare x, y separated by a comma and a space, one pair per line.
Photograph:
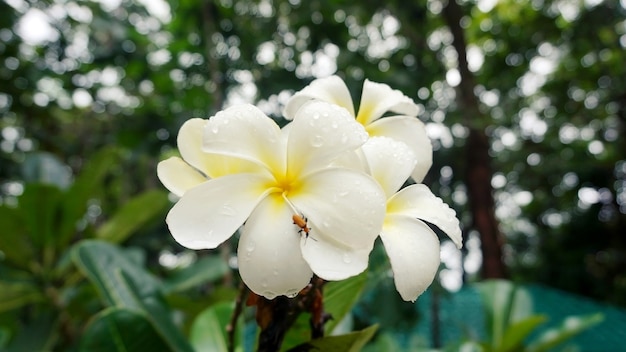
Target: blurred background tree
527, 131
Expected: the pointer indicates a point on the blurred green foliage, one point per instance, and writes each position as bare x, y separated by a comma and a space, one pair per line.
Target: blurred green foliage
93, 94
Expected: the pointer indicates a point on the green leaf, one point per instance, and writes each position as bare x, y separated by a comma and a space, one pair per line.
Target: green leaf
570, 327
18, 294
85, 187
46, 168
109, 269
205, 269
208, 332
351, 342
39, 206
133, 215
14, 242
504, 303
517, 332
121, 329
340, 296
120, 282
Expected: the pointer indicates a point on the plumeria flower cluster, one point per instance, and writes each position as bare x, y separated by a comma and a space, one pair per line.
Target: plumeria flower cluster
311, 198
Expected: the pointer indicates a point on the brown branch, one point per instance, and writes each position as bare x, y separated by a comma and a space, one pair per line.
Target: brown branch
232, 324
275, 317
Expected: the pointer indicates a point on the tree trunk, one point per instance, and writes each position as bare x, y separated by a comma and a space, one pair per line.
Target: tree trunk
478, 171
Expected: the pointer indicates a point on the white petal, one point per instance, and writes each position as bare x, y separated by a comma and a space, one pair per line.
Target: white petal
378, 98
418, 201
332, 262
343, 206
210, 213
245, 132
411, 131
178, 176
413, 250
390, 162
320, 133
269, 256
330, 89
189, 143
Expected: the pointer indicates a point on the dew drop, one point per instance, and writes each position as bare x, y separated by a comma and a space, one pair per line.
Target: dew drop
317, 141
269, 294
264, 284
347, 258
275, 272
292, 293
227, 210
316, 116
251, 246
215, 129
343, 193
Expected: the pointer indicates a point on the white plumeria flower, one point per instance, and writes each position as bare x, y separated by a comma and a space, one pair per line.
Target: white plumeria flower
412, 247
291, 176
376, 100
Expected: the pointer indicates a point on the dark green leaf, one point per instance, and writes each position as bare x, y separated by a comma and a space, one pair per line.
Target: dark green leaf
120, 282
39, 206
14, 242
208, 332
46, 168
85, 187
352, 342
205, 269
133, 215
17, 294
124, 330
340, 296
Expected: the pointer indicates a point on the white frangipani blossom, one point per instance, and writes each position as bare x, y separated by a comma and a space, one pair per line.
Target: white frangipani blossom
412, 247
256, 175
376, 100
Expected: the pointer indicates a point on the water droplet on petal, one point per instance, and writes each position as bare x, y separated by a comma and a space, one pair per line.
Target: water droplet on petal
251, 246
227, 210
343, 193
215, 129
292, 293
275, 272
317, 141
347, 258
269, 294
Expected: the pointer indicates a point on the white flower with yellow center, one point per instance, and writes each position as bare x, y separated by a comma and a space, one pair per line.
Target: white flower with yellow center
412, 247
268, 175
376, 100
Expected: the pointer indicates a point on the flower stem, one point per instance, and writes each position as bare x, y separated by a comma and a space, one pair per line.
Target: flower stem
276, 316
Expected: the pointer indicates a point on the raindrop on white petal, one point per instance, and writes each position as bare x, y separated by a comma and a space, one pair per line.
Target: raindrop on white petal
251, 246
264, 284
227, 210
316, 116
317, 141
275, 272
269, 294
343, 193
347, 258
215, 129
292, 293
344, 138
